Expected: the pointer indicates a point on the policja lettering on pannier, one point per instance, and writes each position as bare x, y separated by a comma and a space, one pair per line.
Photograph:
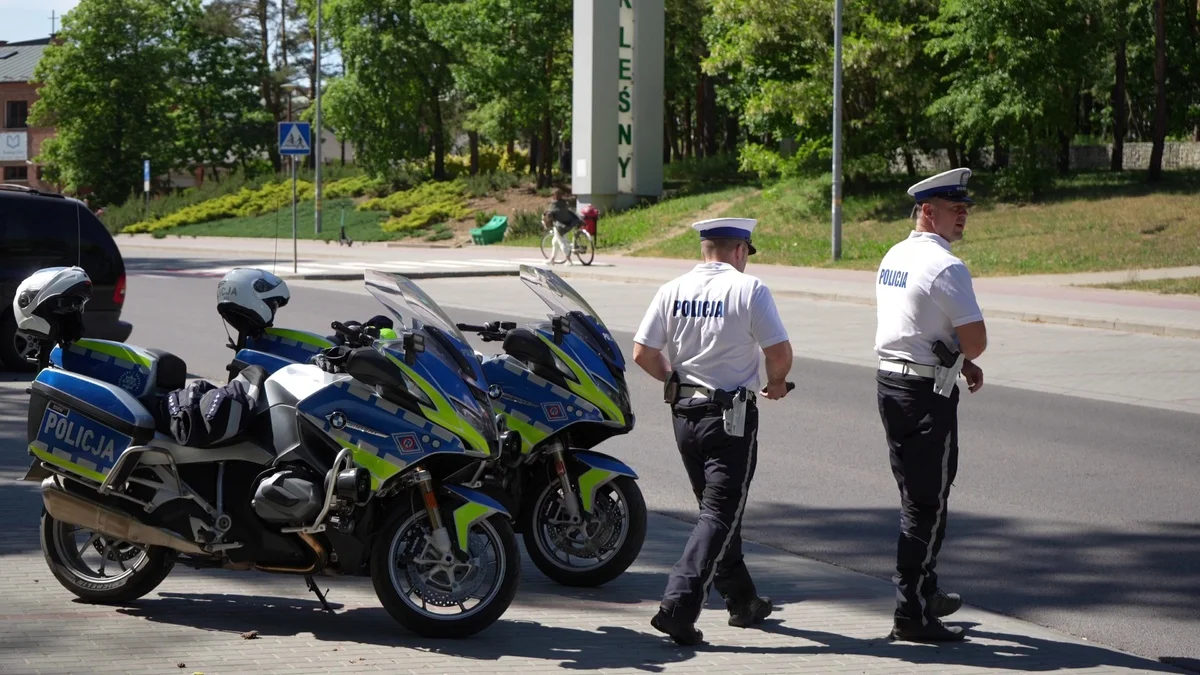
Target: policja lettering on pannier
700, 309
79, 436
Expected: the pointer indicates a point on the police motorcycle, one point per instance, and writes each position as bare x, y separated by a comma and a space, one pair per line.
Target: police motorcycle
561, 386
361, 472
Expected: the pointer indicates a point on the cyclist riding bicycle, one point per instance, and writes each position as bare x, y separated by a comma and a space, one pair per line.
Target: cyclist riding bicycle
560, 216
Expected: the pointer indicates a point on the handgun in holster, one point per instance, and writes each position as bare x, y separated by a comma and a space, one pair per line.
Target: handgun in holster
734, 411
946, 373
671, 388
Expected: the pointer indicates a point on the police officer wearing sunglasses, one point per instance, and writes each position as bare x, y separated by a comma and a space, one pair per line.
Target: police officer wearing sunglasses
702, 336
930, 330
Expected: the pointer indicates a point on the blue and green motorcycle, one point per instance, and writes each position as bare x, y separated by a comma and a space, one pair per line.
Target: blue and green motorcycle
561, 386
365, 472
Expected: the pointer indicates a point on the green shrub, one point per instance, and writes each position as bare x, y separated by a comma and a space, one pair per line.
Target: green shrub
424, 216
482, 218
524, 223
244, 202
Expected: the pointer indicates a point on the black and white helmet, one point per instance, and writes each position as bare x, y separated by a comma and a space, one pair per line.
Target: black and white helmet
49, 303
248, 298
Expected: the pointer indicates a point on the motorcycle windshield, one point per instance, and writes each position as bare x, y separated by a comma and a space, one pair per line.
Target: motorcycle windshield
415, 312
566, 302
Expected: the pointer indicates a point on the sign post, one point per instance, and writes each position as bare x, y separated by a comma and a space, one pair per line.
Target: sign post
295, 140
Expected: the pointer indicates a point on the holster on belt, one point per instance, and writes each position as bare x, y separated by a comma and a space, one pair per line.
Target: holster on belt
671, 388
945, 374
734, 407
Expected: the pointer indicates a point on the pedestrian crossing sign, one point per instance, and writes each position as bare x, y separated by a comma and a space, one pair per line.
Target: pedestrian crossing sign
295, 138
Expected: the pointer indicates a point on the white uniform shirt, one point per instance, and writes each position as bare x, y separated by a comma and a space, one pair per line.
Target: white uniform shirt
922, 293
710, 324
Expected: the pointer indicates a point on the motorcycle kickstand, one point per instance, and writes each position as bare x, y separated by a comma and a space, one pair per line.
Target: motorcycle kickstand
312, 586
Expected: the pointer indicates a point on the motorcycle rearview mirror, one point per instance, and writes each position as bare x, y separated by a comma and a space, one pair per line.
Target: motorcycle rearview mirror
561, 327
413, 344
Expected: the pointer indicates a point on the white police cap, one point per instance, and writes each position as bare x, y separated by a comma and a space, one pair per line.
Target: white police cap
949, 185
727, 228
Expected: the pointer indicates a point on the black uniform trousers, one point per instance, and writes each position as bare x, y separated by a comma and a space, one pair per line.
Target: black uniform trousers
720, 468
922, 435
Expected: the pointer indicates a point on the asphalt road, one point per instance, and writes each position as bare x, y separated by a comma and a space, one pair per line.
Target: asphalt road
1079, 515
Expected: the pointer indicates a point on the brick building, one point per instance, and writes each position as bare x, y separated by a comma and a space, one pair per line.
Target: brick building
19, 143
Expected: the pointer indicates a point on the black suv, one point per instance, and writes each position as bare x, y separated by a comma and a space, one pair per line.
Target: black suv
42, 229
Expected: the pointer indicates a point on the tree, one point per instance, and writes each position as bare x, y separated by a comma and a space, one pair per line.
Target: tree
1160, 88
108, 91
1014, 73
390, 103
519, 78
257, 20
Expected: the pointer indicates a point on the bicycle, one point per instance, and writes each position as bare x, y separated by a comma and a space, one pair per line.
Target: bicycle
583, 246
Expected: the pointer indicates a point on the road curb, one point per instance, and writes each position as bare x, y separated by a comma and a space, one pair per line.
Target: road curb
1162, 330
358, 276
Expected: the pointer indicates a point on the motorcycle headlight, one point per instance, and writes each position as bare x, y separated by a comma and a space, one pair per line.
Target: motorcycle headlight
564, 369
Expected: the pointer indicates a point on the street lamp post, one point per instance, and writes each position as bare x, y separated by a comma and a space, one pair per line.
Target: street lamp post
837, 130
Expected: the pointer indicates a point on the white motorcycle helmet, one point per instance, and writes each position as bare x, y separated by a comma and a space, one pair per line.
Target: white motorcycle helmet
248, 298
49, 303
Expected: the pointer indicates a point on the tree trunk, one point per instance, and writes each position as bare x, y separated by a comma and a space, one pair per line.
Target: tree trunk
473, 139
687, 126
546, 175
710, 117
534, 155
732, 132
267, 89
1064, 152
1192, 7
439, 135
1160, 87
999, 153
909, 165
1120, 118
698, 130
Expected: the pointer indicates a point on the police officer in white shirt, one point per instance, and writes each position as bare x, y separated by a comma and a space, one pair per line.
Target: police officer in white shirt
930, 330
702, 336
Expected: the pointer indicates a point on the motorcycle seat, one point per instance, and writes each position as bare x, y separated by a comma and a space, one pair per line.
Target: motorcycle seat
171, 371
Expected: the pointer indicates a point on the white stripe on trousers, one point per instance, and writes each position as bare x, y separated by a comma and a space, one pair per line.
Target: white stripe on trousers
937, 523
737, 518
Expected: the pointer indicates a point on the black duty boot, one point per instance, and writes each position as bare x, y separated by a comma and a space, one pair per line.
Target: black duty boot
682, 633
942, 603
748, 614
934, 631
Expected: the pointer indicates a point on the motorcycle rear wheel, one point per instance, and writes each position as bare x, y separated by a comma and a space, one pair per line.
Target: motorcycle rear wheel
137, 569
416, 593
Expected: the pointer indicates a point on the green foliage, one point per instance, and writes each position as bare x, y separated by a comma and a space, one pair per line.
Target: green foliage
355, 186
135, 79
134, 209
390, 103
482, 217
524, 224
440, 233
421, 206
483, 185
244, 202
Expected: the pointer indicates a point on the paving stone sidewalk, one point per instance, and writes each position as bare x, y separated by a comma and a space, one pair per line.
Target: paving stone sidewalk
830, 621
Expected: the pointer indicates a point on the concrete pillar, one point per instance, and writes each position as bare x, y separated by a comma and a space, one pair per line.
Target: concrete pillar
617, 115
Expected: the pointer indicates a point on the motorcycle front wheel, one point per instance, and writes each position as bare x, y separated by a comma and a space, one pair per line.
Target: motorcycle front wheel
445, 600
595, 551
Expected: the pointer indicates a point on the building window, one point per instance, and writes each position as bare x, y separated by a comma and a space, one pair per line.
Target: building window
16, 173
16, 113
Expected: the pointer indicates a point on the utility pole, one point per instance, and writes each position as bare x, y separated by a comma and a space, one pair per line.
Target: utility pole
53, 22
318, 136
837, 130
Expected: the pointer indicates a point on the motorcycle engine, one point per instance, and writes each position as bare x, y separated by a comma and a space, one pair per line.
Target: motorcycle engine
288, 497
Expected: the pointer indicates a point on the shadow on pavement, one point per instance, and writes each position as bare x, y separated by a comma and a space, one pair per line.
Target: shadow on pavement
605, 647
1005, 565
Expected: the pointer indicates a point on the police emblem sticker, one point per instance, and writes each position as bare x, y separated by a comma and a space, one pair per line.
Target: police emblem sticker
131, 382
407, 443
554, 412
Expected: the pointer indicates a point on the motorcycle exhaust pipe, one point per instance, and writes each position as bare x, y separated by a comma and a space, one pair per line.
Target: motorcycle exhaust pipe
70, 508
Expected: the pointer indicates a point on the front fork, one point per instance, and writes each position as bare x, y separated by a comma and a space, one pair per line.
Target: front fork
441, 535
570, 499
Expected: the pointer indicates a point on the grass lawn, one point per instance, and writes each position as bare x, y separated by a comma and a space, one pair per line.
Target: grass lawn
1089, 222
1189, 285
360, 225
